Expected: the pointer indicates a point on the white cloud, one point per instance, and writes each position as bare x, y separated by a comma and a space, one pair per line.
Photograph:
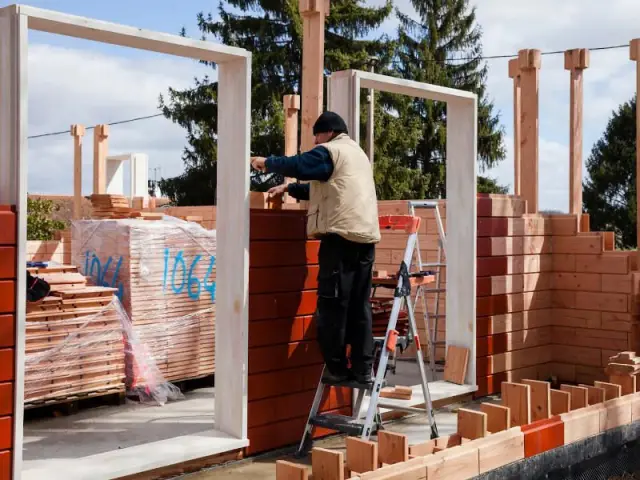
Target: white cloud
68, 86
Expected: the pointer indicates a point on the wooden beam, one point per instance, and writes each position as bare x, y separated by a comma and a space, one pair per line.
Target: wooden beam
472, 424
634, 53
517, 397
77, 132
100, 150
313, 14
576, 61
291, 105
540, 399
514, 73
529, 62
498, 417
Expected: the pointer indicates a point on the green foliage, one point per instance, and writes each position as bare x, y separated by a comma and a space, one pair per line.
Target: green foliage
40, 225
410, 134
609, 193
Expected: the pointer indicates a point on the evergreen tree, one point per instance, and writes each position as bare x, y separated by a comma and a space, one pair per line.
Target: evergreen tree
609, 193
444, 48
272, 31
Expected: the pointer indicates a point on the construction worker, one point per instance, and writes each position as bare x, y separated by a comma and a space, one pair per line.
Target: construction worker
343, 214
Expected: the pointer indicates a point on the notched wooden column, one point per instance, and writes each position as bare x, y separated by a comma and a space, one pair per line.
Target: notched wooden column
514, 73
100, 149
313, 14
291, 108
576, 61
77, 132
529, 63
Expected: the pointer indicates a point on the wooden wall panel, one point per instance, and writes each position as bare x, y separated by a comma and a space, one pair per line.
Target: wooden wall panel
7, 335
284, 358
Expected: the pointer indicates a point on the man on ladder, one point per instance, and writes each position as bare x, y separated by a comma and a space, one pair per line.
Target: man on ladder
343, 214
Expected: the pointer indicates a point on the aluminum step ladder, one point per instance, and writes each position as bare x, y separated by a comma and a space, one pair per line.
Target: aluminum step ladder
385, 347
431, 321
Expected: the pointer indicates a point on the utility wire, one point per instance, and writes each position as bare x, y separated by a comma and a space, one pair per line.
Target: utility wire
489, 57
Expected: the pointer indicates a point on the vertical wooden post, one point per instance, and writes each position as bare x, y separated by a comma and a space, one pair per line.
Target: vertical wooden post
77, 132
100, 149
634, 53
291, 109
514, 72
313, 16
529, 61
575, 61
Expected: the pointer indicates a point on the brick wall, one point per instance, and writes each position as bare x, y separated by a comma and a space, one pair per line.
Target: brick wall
284, 359
7, 335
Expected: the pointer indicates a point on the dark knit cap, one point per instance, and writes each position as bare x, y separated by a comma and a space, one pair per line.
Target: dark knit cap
329, 122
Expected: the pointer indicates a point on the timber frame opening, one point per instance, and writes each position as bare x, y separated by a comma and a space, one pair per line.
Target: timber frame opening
231, 327
461, 202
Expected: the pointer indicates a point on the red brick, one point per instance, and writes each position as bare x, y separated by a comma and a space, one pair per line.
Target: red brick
279, 357
283, 279
6, 365
7, 331
543, 435
6, 433
6, 398
281, 305
282, 382
7, 228
5, 465
283, 253
7, 263
280, 331
277, 225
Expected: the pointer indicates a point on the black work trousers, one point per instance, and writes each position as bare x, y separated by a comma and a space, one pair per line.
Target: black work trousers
343, 314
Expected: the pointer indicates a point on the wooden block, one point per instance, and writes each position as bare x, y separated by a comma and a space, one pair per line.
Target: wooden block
635, 407
414, 469
500, 449
595, 394
611, 390
616, 412
579, 396
580, 424
290, 471
498, 417
540, 399
392, 447
472, 424
517, 397
400, 393
6, 399
327, 464
362, 455
455, 367
457, 462
628, 383
543, 435
6, 433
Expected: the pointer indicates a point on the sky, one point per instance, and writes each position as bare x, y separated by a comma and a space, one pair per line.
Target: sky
75, 81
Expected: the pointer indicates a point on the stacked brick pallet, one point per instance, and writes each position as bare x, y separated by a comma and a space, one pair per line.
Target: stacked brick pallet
284, 359
532, 419
7, 334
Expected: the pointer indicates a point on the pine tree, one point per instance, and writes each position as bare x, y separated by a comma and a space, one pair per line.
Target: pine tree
444, 48
272, 31
609, 193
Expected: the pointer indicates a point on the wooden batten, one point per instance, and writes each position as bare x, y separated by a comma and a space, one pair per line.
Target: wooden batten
529, 62
77, 132
514, 73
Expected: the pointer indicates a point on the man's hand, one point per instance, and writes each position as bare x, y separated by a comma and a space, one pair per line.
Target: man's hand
279, 190
258, 163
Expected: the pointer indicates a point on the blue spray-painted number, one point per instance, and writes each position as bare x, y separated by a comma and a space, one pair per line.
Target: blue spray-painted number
98, 271
182, 277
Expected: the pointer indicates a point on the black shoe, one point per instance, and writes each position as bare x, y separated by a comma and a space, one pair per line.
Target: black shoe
364, 378
332, 379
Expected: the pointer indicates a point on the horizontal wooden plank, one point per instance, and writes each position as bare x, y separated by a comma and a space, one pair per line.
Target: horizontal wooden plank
501, 207
587, 244
498, 246
562, 353
564, 224
283, 253
491, 384
591, 337
279, 357
286, 407
607, 262
513, 227
281, 331
503, 362
512, 265
283, 279
591, 282
609, 302
512, 341
505, 284
517, 302
281, 305
510, 322
277, 224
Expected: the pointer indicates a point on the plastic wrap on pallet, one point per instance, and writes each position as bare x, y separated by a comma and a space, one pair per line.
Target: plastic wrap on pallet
83, 356
165, 275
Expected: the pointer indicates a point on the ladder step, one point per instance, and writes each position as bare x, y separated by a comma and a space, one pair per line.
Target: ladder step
341, 423
434, 290
349, 384
440, 343
427, 265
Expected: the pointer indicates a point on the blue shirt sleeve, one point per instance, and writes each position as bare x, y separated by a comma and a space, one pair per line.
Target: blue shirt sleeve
299, 191
316, 164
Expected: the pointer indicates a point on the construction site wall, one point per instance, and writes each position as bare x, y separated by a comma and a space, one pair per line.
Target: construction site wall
7, 334
284, 359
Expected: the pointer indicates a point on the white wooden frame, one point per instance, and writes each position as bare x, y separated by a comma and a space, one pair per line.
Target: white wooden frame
138, 174
344, 99
234, 79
